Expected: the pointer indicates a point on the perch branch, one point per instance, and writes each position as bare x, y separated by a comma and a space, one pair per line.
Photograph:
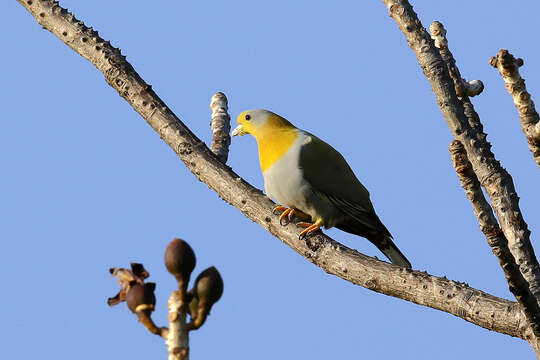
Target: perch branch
221, 126
421, 288
495, 238
508, 67
466, 127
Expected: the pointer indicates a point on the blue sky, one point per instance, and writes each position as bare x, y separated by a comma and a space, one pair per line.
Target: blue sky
86, 183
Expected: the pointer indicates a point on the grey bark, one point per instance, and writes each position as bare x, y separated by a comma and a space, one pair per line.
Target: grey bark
495, 238
488, 224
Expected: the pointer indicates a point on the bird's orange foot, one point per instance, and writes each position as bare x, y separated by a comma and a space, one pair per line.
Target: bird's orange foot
278, 209
288, 214
310, 228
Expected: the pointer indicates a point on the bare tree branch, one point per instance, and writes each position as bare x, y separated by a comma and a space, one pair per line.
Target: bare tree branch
508, 67
421, 288
488, 224
466, 127
495, 238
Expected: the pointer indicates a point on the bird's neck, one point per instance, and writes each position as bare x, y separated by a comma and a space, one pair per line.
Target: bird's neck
274, 143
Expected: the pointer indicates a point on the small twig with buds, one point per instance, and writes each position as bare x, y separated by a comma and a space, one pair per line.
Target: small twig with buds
462, 86
139, 296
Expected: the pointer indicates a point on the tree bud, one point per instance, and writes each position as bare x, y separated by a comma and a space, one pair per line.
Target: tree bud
180, 261
208, 290
141, 297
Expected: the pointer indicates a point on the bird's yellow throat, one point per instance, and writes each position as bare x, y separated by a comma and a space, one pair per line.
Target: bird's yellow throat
274, 139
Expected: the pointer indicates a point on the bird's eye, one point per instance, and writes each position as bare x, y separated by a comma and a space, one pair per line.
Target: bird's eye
248, 117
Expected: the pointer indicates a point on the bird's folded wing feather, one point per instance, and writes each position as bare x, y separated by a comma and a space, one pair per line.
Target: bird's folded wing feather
328, 173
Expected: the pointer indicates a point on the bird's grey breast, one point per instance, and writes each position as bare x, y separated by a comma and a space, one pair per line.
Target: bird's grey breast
284, 181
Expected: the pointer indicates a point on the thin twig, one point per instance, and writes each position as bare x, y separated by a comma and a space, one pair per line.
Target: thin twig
495, 238
508, 67
221, 126
149, 324
421, 288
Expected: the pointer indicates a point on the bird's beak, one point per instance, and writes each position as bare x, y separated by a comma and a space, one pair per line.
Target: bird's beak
239, 130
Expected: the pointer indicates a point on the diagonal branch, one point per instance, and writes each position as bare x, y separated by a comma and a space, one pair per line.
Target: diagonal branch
421, 288
508, 67
488, 224
466, 127
495, 238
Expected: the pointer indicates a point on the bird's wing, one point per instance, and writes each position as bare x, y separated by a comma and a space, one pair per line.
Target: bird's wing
332, 179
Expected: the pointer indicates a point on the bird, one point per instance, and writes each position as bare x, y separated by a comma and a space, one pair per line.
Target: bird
309, 179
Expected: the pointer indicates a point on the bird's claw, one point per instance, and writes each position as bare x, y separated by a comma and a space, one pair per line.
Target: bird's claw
287, 214
278, 210
310, 228
306, 233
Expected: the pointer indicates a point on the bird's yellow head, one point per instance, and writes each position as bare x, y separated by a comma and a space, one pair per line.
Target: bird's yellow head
273, 133
259, 123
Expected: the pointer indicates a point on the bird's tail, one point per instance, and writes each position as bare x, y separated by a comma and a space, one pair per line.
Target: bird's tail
380, 237
390, 250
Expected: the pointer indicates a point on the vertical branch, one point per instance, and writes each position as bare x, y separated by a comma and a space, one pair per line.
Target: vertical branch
221, 126
508, 67
495, 238
178, 336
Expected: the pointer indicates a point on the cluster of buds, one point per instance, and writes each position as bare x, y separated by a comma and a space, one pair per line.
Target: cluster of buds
180, 261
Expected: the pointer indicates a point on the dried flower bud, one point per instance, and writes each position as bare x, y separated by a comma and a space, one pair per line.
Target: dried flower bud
139, 271
126, 277
180, 261
141, 298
